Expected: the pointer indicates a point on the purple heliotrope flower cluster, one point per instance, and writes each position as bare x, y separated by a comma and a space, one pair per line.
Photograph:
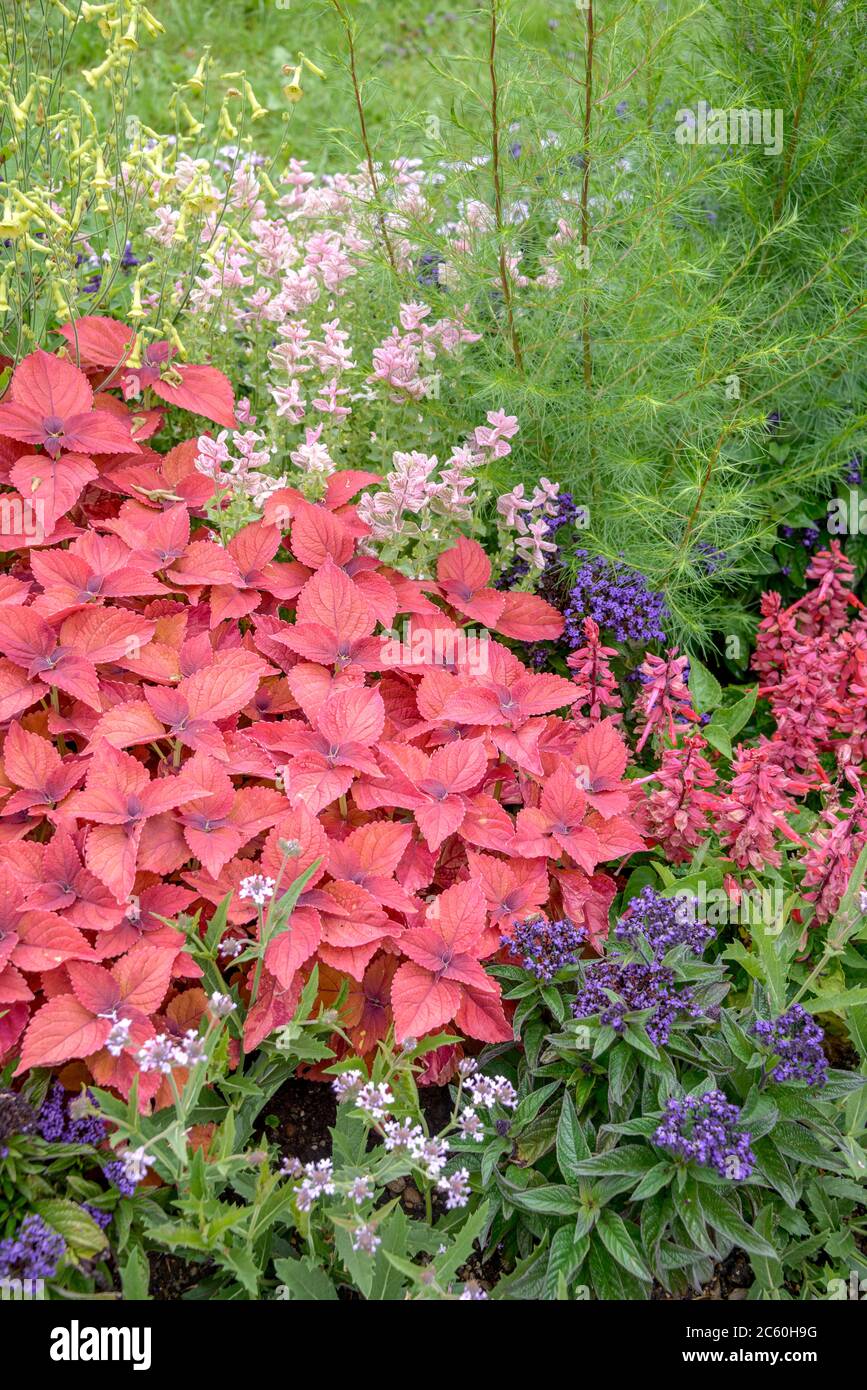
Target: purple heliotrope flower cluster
635, 985
704, 1129
545, 947
664, 923
34, 1253
796, 1038
102, 1218
57, 1122
616, 597
117, 1174
16, 1117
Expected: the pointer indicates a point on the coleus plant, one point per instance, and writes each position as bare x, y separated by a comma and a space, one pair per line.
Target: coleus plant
189, 725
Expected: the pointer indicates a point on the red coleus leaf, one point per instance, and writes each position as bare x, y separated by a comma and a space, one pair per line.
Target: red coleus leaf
98, 341
443, 965
78, 1024
511, 890
600, 756
201, 390
118, 799
528, 618
66, 886
429, 787
317, 535
50, 486
463, 574
29, 642
61, 1029
292, 948
557, 824
35, 766
334, 623
50, 402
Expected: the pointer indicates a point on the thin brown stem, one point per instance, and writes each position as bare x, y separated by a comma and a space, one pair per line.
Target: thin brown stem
365, 140
792, 143
498, 192
585, 190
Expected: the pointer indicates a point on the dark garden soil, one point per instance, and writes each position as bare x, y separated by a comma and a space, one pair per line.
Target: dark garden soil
731, 1280
298, 1121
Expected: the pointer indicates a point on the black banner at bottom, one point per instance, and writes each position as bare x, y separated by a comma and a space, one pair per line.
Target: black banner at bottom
57, 1338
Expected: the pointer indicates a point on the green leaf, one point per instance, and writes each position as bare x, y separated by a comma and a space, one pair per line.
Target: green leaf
572, 1146
630, 1160
527, 1279
719, 738
217, 924
240, 1261
530, 1106
305, 1280
734, 717
463, 1244
135, 1273
611, 1282
551, 1199
619, 1244
704, 688
68, 1219
723, 1218
564, 1259
653, 1181
622, 1066
775, 1170
837, 1001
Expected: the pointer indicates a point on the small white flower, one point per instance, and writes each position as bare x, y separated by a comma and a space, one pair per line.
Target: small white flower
291, 1167
320, 1177
118, 1038
257, 887
221, 1005
375, 1099
136, 1163
346, 1083
158, 1054
471, 1127
400, 1134
232, 946
433, 1155
360, 1190
305, 1196
505, 1092
483, 1091
364, 1238
457, 1188
191, 1050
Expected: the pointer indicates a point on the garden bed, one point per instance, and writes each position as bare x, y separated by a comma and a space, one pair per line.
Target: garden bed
433, 656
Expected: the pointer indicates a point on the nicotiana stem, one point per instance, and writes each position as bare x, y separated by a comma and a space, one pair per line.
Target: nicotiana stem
362, 122
505, 285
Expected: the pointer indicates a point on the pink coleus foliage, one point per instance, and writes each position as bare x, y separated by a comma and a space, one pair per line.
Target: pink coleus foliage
174, 711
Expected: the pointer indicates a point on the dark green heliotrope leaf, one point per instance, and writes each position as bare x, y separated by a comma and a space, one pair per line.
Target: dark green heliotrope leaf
571, 1143
630, 1160
82, 1235
723, 1216
614, 1235
549, 1199
527, 1280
